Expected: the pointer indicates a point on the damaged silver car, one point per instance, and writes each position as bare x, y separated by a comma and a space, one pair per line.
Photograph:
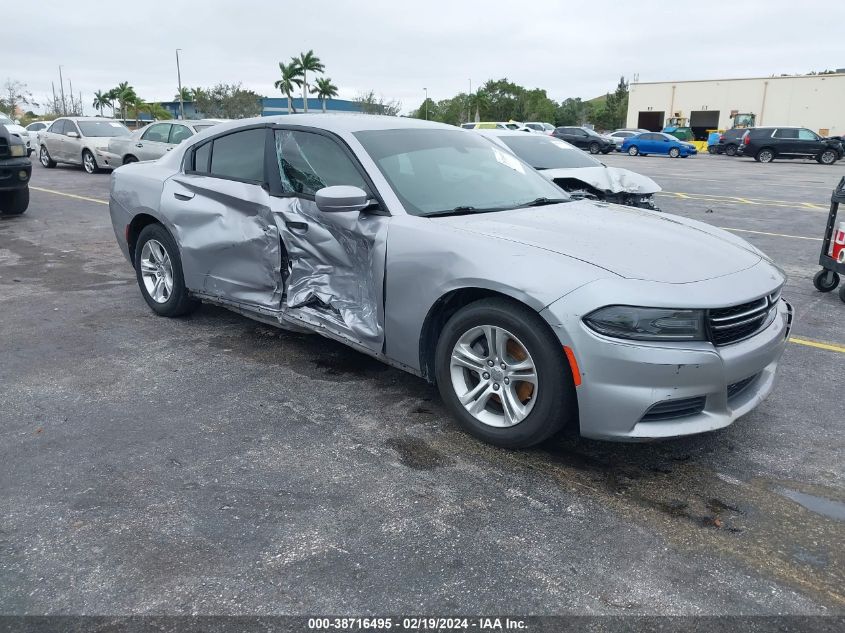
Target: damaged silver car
443, 254
579, 174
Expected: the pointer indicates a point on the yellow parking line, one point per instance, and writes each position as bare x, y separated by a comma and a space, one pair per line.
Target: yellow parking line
796, 237
809, 343
70, 195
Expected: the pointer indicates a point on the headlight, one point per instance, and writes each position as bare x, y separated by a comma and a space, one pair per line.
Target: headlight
648, 324
17, 150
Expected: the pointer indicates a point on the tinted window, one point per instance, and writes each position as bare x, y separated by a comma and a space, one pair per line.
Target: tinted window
157, 132
179, 133
58, 127
204, 126
807, 135
35, 127
786, 133
201, 156
439, 170
546, 152
308, 162
239, 155
103, 128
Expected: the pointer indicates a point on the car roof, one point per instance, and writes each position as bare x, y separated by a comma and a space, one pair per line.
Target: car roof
338, 123
91, 118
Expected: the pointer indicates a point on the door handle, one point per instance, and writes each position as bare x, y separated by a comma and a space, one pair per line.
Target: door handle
168, 149
139, 145
183, 196
297, 227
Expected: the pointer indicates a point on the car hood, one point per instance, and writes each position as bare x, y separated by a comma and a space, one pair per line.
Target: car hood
630, 242
607, 179
18, 129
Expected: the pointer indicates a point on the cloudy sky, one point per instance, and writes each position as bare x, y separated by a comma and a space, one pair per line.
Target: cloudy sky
570, 48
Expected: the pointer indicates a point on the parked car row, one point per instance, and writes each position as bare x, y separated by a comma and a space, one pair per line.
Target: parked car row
443, 253
765, 144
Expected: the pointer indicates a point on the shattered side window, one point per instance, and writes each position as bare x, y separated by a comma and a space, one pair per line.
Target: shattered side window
308, 162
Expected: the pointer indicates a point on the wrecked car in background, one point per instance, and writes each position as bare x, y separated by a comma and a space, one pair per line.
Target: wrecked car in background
577, 173
441, 253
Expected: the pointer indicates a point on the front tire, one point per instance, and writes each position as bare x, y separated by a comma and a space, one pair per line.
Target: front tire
130, 159
828, 157
158, 269
89, 163
633, 150
826, 280
14, 202
44, 158
594, 148
502, 373
674, 152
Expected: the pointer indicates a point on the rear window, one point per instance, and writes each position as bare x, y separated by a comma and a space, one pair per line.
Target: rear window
546, 152
239, 156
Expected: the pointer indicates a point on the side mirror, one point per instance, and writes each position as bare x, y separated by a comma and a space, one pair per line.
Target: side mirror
72, 135
340, 198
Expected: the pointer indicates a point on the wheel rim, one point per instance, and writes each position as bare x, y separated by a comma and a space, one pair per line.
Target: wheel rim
493, 376
156, 271
594, 149
632, 151
45, 157
765, 156
88, 161
827, 158
674, 153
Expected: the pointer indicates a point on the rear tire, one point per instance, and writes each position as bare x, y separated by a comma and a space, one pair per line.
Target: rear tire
765, 155
826, 280
551, 401
44, 158
730, 150
177, 301
711, 149
633, 150
130, 159
842, 294
14, 202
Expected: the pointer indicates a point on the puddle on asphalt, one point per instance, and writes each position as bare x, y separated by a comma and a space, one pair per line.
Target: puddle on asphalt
813, 503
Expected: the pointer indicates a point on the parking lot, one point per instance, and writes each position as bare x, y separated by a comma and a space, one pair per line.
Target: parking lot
216, 465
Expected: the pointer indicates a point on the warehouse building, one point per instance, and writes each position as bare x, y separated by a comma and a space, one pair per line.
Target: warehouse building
812, 101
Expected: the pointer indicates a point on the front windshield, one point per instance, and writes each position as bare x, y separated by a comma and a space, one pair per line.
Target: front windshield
102, 128
546, 152
435, 171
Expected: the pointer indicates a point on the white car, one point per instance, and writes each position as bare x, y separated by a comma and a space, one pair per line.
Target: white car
34, 129
152, 142
618, 137
539, 126
576, 172
79, 141
16, 129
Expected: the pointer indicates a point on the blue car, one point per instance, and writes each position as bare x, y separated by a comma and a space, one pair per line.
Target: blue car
657, 143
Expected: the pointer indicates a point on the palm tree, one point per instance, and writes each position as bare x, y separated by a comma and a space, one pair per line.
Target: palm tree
112, 97
478, 101
325, 90
291, 76
308, 62
187, 94
101, 100
125, 94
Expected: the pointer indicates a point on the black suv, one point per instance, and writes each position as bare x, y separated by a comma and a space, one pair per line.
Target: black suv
15, 171
730, 140
764, 144
585, 139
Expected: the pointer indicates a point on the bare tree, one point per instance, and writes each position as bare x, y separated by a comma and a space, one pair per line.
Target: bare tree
368, 103
15, 94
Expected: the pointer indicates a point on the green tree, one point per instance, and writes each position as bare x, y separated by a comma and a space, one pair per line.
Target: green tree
479, 103
536, 106
14, 95
504, 100
186, 94
615, 110
125, 96
325, 90
227, 101
101, 100
307, 62
428, 110
291, 76
572, 112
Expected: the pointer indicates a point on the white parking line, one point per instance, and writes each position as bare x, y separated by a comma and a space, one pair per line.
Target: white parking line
795, 237
70, 195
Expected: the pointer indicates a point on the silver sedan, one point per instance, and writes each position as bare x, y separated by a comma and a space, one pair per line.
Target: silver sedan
78, 141
153, 141
440, 253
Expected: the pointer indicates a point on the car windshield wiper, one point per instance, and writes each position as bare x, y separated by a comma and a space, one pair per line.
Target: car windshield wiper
539, 202
462, 210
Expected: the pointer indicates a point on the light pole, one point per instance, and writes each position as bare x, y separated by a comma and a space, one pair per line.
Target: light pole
179, 79
426, 103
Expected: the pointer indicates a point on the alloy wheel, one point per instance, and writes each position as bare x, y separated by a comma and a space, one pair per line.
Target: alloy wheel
493, 376
156, 271
828, 157
88, 163
44, 157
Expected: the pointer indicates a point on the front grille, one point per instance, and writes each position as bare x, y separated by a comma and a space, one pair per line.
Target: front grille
738, 387
4, 148
736, 323
678, 408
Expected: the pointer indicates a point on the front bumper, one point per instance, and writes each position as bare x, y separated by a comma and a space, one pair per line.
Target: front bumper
106, 159
623, 380
10, 170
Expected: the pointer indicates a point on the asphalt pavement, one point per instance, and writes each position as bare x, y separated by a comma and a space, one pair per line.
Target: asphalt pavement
216, 465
